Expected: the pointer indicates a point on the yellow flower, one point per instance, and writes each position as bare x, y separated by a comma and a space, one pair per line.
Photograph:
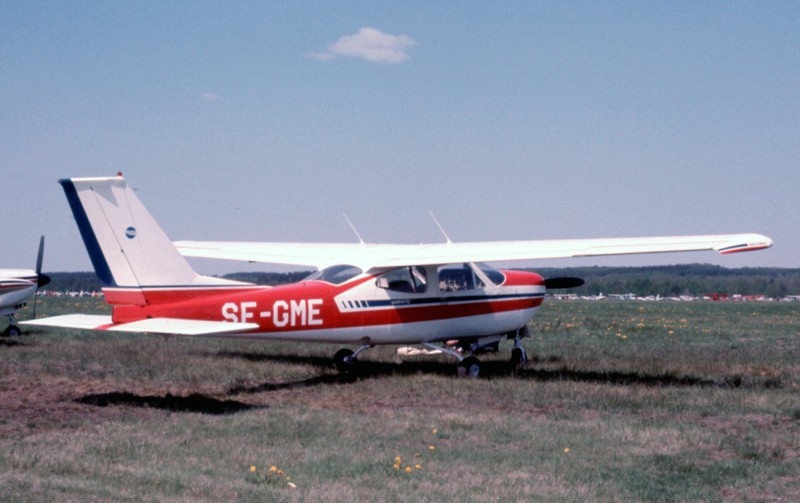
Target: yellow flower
418, 466
273, 469
566, 450
252, 469
396, 466
397, 459
435, 431
431, 447
408, 469
280, 472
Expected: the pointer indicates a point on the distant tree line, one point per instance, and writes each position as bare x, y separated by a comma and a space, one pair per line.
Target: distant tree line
667, 281
690, 279
72, 282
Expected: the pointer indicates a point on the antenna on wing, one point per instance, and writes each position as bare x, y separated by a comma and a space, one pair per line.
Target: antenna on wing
353, 227
440, 227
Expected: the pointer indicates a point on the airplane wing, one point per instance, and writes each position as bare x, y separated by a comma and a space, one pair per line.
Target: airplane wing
151, 325
318, 255
368, 256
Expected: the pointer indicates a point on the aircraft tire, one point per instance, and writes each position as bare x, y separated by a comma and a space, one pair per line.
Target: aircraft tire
12, 331
343, 360
469, 367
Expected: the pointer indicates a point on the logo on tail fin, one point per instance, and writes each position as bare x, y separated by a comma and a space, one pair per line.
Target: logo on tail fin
130, 232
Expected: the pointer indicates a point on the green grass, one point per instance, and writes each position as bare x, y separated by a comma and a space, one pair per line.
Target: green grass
621, 402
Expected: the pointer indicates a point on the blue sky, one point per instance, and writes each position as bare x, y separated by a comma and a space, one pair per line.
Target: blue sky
517, 120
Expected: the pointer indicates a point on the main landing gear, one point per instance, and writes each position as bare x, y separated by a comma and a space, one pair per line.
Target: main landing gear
345, 359
471, 367
468, 366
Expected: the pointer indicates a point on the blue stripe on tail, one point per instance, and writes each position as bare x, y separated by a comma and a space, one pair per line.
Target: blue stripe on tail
101, 267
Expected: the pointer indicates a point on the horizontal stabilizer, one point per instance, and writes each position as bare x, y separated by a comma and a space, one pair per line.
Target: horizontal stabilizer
80, 321
167, 326
183, 327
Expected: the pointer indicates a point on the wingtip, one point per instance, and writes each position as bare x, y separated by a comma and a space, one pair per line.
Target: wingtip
745, 243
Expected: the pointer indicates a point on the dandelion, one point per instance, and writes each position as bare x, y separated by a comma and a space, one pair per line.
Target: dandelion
435, 431
273, 469
252, 469
418, 466
408, 469
566, 450
431, 447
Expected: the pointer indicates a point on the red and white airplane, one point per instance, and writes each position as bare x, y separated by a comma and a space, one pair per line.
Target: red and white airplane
362, 295
17, 286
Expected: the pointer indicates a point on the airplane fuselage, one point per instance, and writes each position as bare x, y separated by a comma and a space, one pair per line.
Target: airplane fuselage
357, 310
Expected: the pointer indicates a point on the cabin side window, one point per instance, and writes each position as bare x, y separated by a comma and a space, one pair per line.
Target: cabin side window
458, 278
406, 279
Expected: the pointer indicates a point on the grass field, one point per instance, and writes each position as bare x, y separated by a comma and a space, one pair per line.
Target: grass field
621, 402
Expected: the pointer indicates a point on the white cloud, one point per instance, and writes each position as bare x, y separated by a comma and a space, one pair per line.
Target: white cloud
209, 96
370, 44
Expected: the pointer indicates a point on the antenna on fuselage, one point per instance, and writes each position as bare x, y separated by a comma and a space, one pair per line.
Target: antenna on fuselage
436, 221
353, 227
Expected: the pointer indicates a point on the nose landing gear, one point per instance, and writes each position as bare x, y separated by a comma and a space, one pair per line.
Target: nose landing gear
469, 367
518, 355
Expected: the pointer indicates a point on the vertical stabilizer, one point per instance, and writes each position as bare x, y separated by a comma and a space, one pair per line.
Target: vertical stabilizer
127, 247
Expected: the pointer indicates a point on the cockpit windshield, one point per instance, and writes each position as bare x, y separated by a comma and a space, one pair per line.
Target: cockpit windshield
495, 276
335, 274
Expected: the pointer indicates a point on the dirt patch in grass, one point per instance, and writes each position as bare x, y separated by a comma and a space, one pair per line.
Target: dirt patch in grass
31, 404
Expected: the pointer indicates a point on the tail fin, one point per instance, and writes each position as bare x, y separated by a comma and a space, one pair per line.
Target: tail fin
128, 248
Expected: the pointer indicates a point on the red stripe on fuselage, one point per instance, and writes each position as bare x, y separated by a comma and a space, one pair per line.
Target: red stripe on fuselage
208, 303
443, 311
167, 295
15, 286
